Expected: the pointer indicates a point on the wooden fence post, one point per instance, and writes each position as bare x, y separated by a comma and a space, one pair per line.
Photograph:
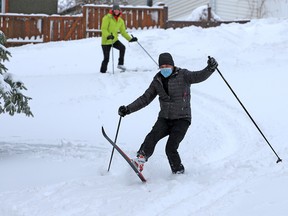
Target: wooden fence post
164, 18
209, 13
84, 21
46, 29
6, 6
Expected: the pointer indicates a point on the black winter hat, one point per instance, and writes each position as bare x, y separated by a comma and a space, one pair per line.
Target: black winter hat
165, 59
116, 7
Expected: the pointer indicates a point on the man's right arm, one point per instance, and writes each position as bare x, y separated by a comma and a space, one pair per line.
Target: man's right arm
145, 99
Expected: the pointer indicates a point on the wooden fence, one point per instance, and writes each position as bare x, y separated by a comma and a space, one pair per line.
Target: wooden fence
206, 24
24, 29
135, 17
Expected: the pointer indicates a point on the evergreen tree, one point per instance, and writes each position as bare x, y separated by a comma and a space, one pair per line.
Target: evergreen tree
11, 98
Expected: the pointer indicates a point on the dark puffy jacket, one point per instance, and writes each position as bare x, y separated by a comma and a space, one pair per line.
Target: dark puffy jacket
176, 105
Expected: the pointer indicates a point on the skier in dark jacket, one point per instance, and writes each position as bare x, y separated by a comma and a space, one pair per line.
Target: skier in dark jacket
172, 85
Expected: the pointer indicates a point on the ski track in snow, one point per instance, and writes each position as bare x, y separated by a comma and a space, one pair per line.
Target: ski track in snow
57, 164
205, 171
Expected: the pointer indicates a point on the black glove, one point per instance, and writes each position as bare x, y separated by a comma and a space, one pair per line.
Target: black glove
123, 111
110, 37
133, 39
212, 63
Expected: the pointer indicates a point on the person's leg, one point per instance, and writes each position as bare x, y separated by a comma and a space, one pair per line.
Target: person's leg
159, 130
119, 46
106, 53
178, 129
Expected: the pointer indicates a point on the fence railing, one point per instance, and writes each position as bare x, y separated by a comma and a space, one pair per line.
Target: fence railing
134, 17
203, 24
24, 29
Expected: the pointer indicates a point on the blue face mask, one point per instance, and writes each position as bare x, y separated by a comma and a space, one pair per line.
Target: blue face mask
166, 72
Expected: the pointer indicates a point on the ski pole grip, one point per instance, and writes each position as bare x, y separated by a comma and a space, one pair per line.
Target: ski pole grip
209, 58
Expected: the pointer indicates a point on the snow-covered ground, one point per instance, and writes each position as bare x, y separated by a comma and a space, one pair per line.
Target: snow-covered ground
55, 164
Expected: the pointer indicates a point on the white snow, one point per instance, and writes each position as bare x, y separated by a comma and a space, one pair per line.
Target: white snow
65, 4
201, 13
55, 164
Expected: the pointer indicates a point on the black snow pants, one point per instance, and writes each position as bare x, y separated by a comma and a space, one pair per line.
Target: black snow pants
106, 53
176, 129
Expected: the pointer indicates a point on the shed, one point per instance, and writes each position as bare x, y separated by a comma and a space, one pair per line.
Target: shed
226, 9
29, 6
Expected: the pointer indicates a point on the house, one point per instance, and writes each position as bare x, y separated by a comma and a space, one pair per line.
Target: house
226, 9
29, 6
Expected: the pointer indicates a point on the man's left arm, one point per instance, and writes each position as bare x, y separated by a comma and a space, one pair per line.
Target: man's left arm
199, 76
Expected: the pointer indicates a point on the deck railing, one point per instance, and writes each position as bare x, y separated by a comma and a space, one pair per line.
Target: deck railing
23, 29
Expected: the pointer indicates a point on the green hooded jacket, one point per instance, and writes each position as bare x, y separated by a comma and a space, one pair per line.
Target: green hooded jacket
111, 25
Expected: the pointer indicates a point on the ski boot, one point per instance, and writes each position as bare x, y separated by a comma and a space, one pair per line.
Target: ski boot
121, 67
178, 170
139, 162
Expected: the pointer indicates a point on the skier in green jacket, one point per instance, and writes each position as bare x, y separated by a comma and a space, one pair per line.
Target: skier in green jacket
112, 23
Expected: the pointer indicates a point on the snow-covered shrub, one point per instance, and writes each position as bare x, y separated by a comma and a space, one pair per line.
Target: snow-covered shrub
201, 14
11, 98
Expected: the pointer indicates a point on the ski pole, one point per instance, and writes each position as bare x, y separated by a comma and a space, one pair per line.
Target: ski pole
112, 56
278, 158
146, 51
112, 153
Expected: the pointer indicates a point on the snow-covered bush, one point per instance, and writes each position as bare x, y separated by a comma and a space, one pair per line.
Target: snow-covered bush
11, 98
201, 14
65, 4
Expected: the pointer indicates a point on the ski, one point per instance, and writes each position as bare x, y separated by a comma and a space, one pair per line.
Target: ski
122, 153
135, 70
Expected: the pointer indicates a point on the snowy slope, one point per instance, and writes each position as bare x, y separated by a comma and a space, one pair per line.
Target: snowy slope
56, 163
